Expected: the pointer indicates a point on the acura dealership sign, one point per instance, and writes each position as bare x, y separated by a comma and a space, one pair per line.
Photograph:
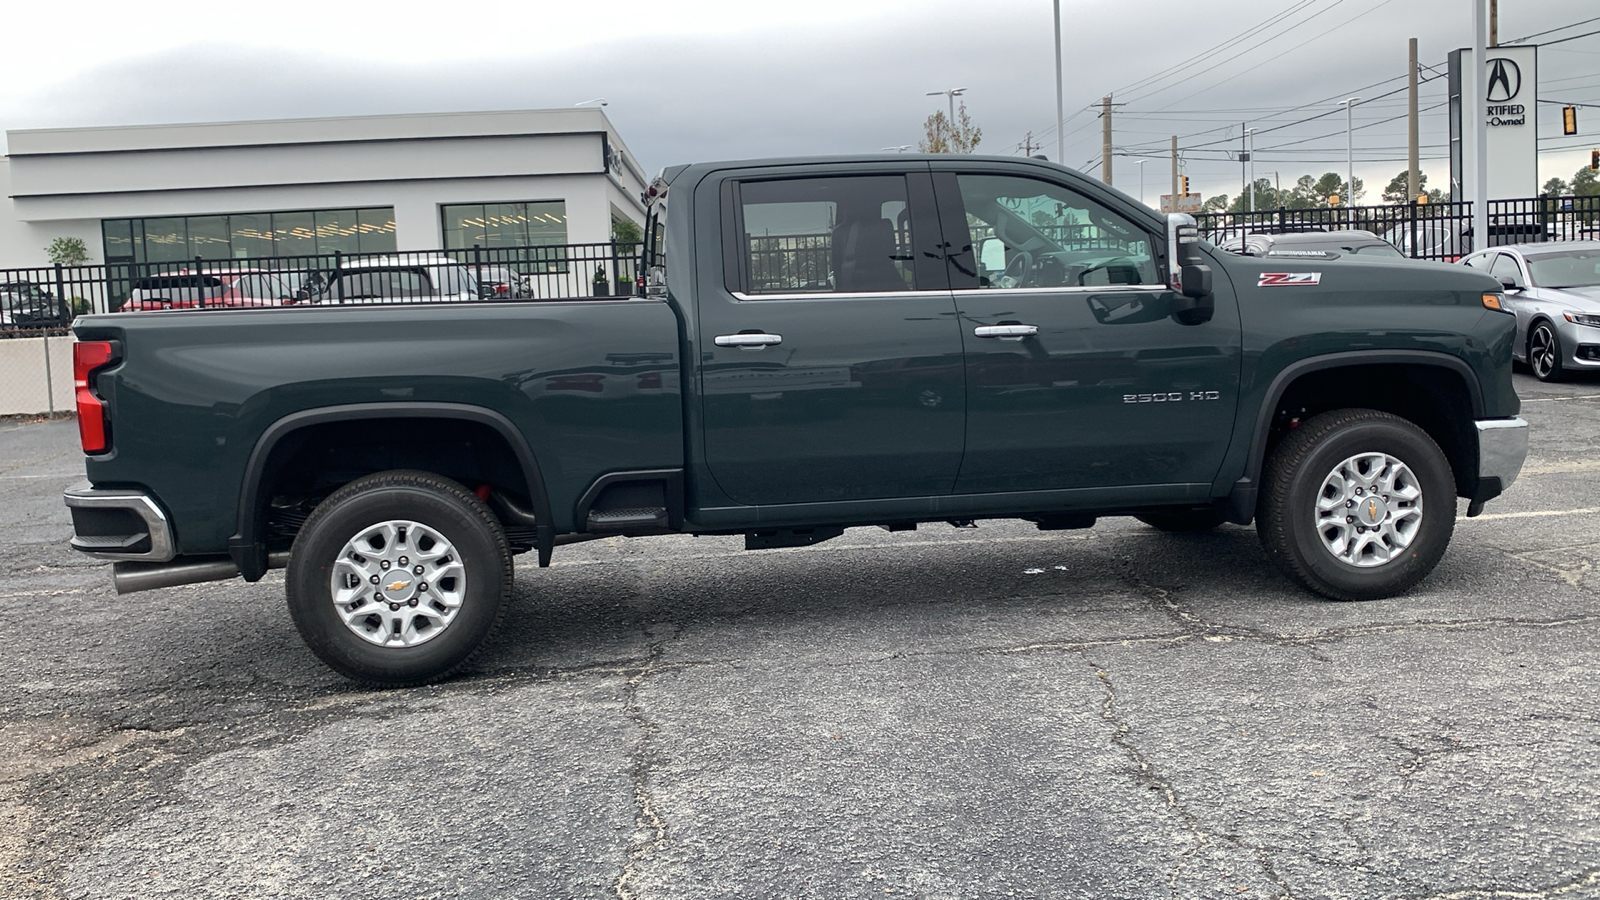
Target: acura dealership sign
1510, 116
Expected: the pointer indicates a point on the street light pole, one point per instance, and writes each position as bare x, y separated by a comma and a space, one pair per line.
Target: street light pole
1061, 124
1349, 104
953, 93
1140, 163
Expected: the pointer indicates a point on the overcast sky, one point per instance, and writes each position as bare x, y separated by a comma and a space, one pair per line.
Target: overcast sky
706, 80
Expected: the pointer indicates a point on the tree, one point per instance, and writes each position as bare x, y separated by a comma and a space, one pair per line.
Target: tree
1218, 203
1398, 189
942, 136
1585, 184
68, 251
625, 231
1555, 187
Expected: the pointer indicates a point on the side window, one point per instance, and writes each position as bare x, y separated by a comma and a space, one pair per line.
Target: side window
825, 235
1480, 261
1506, 267
1028, 233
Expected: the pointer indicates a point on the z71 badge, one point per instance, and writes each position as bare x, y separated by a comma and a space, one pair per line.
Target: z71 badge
1273, 279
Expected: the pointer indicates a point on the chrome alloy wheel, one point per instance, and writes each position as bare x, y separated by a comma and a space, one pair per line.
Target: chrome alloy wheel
1369, 509
398, 584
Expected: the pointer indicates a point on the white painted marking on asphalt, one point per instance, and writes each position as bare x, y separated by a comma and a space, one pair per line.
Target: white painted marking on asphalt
1560, 399
1557, 467
1536, 514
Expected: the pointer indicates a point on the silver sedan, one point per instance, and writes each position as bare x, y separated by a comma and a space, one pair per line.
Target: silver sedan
1554, 290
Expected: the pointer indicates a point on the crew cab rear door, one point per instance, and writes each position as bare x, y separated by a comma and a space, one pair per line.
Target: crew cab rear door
830, 359
1079, 375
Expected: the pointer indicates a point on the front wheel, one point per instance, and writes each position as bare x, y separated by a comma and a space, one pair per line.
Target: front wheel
1357, 504
1544, 352
398, 578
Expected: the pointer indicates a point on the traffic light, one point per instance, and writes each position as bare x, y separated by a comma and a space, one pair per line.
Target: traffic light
1569, 120
1184, 185
1594, 160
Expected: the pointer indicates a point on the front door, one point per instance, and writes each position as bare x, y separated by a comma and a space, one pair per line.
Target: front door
1079, 375
830, 356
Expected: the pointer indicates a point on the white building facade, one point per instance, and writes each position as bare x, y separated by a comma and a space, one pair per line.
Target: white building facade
233, 190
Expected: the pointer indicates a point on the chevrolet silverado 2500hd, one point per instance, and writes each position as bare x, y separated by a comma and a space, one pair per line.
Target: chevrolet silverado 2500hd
820, 344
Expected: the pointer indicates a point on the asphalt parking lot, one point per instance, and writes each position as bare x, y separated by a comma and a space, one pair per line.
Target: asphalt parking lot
943, 714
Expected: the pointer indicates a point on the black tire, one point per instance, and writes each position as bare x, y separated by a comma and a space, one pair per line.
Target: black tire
1400, 552
1544, 352
1181, 521
431, 527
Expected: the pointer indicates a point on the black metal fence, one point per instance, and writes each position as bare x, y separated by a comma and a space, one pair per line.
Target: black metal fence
45, 300
1439, 231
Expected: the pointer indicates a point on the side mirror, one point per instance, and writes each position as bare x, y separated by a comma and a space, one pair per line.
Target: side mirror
1510, 285
1187, 272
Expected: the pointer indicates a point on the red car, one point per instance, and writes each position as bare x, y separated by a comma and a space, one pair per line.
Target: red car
209, 290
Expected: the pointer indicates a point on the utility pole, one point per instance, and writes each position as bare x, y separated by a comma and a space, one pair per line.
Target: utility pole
1105, 139
1027, 145
1413, 170
1174, 172
1494, 23
1251, 134
1244, 161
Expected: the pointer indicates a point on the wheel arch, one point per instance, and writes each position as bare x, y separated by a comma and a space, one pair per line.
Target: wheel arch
289, 436
1442, 398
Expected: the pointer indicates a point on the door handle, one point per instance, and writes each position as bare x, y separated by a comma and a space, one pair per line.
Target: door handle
1006, 332
748, 341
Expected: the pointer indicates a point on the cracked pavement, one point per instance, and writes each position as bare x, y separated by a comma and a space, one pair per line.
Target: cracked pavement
948, 713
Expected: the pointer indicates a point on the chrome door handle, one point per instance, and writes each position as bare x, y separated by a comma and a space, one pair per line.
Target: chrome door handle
748, 341
1006, 332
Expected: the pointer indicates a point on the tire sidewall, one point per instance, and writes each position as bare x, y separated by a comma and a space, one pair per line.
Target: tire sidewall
368, 502
1422, 456
1554, 373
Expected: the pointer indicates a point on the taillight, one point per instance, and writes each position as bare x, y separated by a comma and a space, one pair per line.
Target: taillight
87, 356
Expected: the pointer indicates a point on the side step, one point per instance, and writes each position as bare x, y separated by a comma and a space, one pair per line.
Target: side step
628, 518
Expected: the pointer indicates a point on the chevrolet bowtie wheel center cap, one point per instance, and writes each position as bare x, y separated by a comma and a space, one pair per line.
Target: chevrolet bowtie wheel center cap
1369, 510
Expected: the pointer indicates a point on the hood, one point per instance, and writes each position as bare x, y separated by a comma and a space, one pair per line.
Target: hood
1588, 296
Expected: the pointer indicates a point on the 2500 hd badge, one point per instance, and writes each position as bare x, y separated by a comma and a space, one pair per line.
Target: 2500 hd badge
1171, 397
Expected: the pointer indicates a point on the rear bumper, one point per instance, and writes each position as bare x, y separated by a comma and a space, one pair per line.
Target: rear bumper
1502, 449
119, 524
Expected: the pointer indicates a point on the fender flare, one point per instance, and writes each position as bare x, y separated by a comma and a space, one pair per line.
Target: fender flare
246, 546
1242, 497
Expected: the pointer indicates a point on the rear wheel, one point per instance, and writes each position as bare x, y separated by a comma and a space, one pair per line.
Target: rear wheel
398, 578
1357, 504
1544, 352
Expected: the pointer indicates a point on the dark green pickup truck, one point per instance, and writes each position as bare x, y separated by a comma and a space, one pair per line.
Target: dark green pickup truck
820, 344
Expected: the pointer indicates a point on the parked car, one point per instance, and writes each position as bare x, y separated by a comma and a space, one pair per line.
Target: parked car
502, 282
208, 289
1448, 240
1318, 244
1554, 292
24, 304
394, 279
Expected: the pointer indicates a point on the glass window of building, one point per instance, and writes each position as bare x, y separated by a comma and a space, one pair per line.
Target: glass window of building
250, 235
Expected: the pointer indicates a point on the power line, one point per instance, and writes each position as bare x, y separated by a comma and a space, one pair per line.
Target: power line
1550, 31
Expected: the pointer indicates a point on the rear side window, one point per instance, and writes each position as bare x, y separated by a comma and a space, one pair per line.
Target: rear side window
369, 284
825, 235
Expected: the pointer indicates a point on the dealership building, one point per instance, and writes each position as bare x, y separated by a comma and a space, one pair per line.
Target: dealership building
230, 190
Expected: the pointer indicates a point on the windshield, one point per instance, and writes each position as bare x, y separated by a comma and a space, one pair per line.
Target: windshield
1570, 268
